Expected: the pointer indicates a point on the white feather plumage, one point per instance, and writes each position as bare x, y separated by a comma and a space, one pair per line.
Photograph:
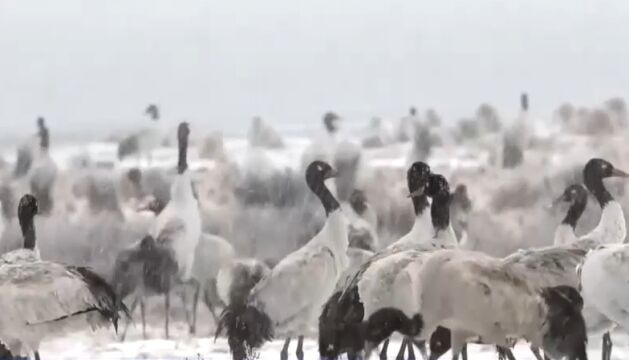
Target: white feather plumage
180, 222
307, 277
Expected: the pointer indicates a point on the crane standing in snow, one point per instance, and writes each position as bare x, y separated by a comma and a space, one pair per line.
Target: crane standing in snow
42, 298
307, 277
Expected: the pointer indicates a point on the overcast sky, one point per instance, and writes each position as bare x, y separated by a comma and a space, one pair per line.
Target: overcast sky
94, 65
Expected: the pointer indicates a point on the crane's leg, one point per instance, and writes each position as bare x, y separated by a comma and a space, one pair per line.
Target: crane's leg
462, 351
536, 353
409, 346
207, 299
504, 353
143, 316
300, 348
284, 352
167, 306
186, 311
607, 346
383, 351
421, 345
134, 304
400, 354
195, 303
501, 354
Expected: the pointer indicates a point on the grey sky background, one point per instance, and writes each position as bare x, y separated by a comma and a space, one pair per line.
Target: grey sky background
92, 66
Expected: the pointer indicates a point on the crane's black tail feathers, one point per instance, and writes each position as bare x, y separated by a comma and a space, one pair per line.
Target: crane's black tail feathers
340, 324
108, 303
247, 328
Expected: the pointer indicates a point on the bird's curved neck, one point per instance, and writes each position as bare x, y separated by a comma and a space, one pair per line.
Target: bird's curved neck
28, 232
182, 162
597, 188
420, 203
574, 213
329, 202
44, 140
440, 212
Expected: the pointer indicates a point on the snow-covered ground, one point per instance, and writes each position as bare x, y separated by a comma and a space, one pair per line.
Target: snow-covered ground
104, 345
104, 154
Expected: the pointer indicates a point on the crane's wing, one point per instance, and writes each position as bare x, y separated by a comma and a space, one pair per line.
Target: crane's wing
172, 229
616, 259
41, 292
302, 280
550, 266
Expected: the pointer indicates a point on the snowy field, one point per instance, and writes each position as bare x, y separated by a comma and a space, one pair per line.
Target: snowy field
104, 154
103, 345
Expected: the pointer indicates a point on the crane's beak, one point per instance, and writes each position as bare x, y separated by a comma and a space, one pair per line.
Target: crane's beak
332, 173
557, 201
619, 173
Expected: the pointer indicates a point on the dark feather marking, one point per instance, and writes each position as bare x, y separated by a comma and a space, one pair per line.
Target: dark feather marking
486, 289
128, 146
23, 162
109, 305
85, 311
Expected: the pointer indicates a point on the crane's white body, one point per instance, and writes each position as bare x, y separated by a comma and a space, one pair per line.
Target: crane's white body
42, 298
180, 224
601, 273
44, 170
604, 283
611, 228
213, 253
476, 295
564, 235
389, 280
296, 289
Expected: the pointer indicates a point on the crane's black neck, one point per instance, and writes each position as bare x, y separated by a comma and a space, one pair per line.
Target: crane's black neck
440, 211
524, 102
44, 138
574, 212
595, 185
182, 162
420, 203
329, 202
28, 231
